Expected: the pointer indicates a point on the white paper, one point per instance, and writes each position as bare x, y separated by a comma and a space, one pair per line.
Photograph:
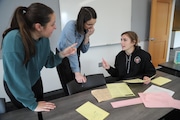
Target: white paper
154, 88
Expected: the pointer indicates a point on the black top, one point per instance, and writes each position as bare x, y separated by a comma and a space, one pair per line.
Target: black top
138, 64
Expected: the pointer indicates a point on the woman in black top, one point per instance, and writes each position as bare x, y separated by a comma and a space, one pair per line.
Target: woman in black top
132, 61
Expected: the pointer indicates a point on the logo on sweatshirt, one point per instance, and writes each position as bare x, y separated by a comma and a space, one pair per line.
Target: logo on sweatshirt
137, 59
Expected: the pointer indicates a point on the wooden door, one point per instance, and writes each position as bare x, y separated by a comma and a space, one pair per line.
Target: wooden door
159, 30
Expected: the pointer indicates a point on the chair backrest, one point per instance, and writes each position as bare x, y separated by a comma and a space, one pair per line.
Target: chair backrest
93, 81
2, 105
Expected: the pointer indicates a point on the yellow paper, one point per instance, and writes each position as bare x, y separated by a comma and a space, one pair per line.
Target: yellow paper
160, 81
92, 112
101, 94
119, 90
137, 80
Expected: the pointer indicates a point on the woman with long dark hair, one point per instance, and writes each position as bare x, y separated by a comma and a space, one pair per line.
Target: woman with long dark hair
26, 50
75, 31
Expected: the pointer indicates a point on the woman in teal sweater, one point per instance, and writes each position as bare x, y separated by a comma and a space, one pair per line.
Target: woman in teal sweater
26, 50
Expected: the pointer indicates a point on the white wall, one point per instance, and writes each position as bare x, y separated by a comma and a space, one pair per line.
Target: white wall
175, 39
2, 92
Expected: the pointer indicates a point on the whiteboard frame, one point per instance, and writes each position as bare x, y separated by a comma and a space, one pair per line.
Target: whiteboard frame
113, 18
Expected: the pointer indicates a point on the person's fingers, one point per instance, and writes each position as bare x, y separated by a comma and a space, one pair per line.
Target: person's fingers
73, 45
49, 107
45, 106
84, 79
147, 81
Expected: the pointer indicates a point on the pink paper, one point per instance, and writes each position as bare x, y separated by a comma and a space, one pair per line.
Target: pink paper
158, 100
176, 104
150, 100
128, 102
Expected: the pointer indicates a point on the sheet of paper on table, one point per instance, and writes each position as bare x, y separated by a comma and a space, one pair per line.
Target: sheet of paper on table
137, 80
92, 112
154, 88
150, 100
160, 81
101, 94
119, 90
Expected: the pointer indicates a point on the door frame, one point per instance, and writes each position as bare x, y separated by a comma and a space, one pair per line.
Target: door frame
170, 32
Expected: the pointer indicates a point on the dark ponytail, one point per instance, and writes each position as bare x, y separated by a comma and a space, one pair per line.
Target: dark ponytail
24, 19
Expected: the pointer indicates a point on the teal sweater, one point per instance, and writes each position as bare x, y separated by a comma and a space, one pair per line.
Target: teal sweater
19, 77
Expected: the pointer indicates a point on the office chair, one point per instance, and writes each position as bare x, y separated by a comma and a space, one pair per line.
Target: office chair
92, 82
2, 105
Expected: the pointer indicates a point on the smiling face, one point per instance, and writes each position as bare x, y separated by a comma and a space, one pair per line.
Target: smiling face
127, 44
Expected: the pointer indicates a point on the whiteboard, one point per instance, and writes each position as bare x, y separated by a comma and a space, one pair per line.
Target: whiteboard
113, 18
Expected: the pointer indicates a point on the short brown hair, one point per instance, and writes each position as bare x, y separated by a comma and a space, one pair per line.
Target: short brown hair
132, 35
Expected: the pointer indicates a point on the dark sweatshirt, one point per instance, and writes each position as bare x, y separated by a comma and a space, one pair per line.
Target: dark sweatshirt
138, 64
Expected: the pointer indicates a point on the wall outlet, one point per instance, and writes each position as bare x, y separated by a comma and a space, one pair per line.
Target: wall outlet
100, 64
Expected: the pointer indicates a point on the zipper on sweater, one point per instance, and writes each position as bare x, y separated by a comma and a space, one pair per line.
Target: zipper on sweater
128, 62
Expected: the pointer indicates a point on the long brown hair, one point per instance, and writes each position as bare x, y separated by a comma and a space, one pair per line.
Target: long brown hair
24, 19
85, 14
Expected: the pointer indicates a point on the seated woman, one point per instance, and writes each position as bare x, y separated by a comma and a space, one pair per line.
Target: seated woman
132, 61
